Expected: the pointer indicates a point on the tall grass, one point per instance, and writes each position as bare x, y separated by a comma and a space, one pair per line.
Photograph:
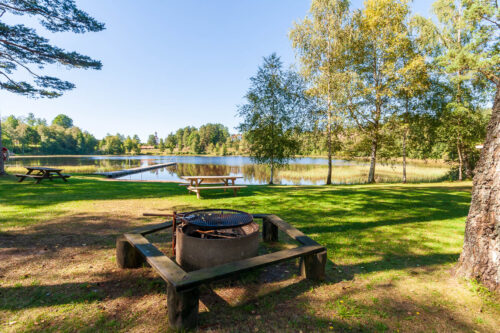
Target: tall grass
83, 169
358, 174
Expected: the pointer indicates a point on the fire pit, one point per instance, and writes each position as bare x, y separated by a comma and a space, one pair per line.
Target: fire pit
212, 237
211, 245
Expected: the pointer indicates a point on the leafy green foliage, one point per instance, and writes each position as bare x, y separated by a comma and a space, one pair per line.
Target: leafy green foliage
63, 121
276, 101
22, 48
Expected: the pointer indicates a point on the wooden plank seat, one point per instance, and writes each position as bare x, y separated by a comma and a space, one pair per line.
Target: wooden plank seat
22, 176
188, 184
133, 250
198, 189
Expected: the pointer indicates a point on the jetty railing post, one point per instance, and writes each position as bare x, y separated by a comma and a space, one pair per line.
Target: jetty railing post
313, 266
127, 255
269, 230
182, 307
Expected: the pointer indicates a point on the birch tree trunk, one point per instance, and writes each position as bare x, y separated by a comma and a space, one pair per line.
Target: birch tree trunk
480, 258
329, 142
373, 160
405, 134
272, 173
2, 166
460, 161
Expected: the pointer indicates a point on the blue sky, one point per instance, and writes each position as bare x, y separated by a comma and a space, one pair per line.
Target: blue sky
168, 64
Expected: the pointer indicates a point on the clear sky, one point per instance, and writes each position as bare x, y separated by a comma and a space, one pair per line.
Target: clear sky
167, 64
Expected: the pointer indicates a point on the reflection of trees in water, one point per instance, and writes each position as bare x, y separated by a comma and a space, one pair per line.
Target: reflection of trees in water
252, 173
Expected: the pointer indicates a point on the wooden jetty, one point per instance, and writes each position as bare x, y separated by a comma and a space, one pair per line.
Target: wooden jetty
120, 173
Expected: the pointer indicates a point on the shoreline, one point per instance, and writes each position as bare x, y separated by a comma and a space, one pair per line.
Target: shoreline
399, 160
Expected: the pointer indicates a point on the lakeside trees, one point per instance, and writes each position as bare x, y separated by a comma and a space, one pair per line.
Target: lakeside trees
272, 113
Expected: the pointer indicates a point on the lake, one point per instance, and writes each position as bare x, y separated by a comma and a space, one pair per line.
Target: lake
301, 171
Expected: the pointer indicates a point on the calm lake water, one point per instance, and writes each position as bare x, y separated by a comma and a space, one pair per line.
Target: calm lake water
190, 166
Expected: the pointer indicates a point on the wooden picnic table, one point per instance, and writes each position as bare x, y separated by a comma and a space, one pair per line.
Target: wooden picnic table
42, 173
195, 182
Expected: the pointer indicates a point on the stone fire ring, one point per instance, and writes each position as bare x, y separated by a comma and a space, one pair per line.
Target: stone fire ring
133, 250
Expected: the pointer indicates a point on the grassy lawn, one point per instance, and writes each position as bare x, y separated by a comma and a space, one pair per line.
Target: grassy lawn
390, 251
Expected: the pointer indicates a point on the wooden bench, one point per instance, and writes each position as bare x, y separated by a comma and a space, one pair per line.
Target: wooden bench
23, 176
188, 184
198, 189
133, 250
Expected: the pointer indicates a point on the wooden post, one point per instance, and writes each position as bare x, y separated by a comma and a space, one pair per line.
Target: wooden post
182, 308
313, 266
269, 231
126, 254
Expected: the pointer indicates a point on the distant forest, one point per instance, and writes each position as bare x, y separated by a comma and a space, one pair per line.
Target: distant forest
31, 135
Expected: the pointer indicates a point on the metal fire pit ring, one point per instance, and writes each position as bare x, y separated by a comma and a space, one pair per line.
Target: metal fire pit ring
216, 218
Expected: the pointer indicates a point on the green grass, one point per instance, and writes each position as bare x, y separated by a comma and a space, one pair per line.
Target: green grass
390, 249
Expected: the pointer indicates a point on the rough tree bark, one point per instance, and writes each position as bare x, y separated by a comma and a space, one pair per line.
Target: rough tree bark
480, 258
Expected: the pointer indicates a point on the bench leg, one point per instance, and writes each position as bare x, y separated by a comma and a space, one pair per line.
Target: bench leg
269, 231
182, 307
126, 254
313, 266
198, 194
235, 192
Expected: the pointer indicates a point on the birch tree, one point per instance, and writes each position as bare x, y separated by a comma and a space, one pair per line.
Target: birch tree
322, 42
276, 101
379, 42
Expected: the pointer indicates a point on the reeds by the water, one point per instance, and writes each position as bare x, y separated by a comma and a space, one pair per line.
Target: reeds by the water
358, 174
83, 169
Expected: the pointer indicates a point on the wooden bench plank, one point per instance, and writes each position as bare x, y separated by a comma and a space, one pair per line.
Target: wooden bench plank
294, 233
28, 176
215, 187
205, 275
167, 268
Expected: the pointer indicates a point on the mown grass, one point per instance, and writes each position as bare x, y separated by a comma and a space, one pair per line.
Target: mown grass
390, 249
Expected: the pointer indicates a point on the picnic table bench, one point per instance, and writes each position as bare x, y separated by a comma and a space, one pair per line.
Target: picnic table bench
42, 173
195, 182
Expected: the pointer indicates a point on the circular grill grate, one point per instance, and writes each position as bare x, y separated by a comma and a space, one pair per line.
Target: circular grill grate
217, 218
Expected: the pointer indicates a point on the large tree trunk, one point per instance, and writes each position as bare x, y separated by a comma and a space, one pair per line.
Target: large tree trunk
480, 258
2, 166
373, 160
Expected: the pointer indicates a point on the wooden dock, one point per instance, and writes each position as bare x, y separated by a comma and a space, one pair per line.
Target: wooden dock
120, 173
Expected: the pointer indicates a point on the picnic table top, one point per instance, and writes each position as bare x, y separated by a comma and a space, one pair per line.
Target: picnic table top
210, 177
42, 168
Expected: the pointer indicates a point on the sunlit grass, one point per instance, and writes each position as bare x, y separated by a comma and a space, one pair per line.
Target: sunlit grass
358, 174
82, 169
390, 250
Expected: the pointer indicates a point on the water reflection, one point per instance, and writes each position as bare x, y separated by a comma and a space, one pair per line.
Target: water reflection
301, 171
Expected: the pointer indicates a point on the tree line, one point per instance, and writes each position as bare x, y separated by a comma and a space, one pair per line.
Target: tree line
31, 135
378, 82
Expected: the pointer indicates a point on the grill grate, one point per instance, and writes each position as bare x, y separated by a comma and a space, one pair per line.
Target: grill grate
217, 218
